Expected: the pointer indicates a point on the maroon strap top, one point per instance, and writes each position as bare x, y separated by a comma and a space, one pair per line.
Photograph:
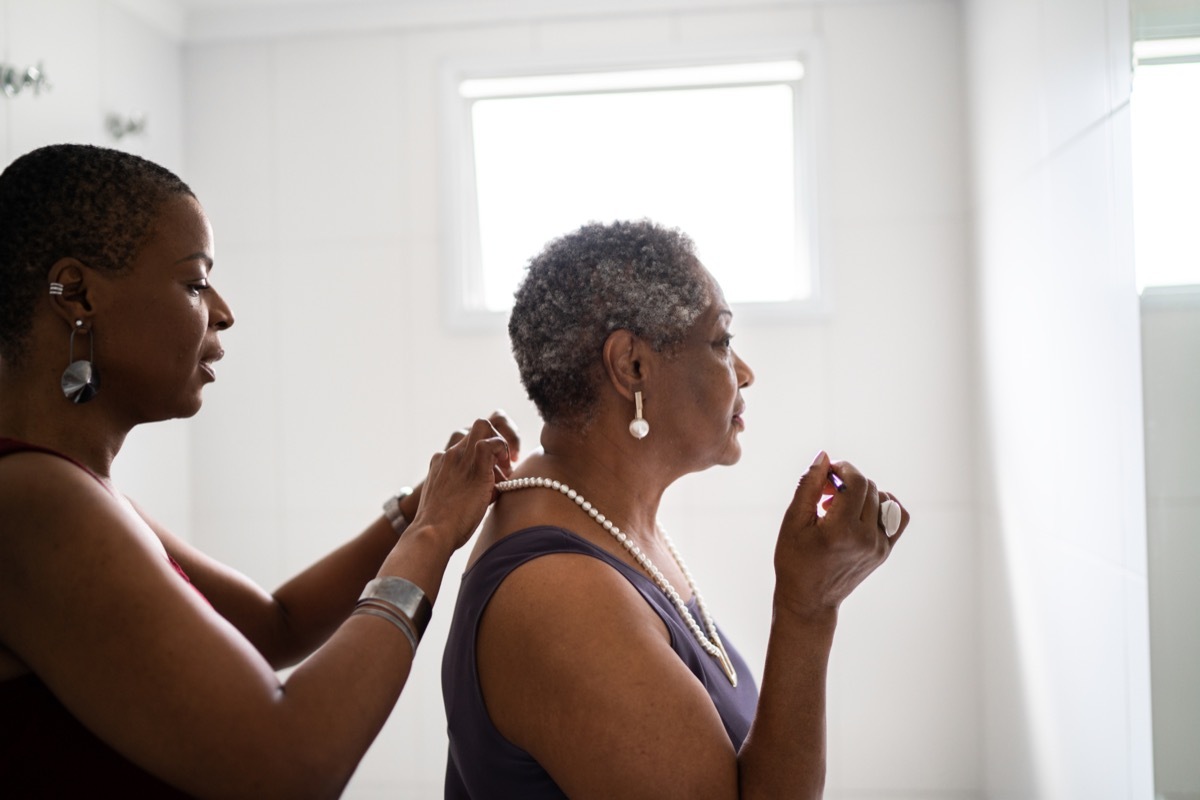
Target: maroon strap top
44, 751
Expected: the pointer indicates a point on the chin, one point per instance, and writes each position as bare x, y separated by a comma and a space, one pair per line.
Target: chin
731, 456
189, 408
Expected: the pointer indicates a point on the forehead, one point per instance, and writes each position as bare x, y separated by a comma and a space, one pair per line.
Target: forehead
716, 307
181, 228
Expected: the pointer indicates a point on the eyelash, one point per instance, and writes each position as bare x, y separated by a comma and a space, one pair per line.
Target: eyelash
725, 341
196, 288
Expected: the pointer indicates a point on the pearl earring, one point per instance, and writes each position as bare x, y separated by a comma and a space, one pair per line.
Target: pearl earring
639, 427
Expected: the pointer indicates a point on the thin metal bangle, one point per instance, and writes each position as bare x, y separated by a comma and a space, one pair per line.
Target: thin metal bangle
374, 611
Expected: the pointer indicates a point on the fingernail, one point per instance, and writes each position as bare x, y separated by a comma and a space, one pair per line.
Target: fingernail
817, 460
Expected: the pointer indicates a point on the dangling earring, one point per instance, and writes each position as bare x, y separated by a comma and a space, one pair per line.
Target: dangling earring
80, 380
638, 428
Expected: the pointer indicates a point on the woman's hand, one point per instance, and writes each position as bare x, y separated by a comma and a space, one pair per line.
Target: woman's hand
827, 546
503, 425
462, 479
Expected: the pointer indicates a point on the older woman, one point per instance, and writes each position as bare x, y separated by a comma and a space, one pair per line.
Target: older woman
582, 659
131, 664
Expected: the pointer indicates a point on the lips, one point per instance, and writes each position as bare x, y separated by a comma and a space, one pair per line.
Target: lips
206, 362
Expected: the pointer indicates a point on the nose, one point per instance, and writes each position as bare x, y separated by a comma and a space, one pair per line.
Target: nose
744, 373
220, 315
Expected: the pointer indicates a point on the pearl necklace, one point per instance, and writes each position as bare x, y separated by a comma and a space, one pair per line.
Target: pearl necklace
712, 642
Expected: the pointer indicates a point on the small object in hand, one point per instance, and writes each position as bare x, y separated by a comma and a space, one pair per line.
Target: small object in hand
889, 517
837, 482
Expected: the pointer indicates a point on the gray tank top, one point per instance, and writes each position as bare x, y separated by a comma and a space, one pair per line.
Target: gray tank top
481, 762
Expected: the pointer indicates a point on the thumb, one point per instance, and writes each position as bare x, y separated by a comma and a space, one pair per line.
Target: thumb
812, 485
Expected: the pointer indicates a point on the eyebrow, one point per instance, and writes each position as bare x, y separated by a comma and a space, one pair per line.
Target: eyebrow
198, 256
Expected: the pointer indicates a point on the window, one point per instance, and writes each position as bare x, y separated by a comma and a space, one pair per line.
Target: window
1165, 122
721, 151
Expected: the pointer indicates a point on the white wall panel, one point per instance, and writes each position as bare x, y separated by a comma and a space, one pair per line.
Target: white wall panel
325, 160
1066, 687
231, 140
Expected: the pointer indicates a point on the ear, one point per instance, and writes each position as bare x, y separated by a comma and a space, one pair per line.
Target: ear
627, 360
75, 276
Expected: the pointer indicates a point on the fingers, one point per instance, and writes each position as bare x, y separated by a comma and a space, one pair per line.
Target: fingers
506, 428
492, 454
501, 425
487, 448
860, 502
811, 487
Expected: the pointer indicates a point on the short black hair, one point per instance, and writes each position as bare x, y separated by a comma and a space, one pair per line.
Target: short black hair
638, 276
71, 201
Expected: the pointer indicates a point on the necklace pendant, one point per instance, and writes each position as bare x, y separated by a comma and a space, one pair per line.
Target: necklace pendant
727, 666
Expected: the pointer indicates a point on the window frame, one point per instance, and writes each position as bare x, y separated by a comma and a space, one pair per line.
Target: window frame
460, 255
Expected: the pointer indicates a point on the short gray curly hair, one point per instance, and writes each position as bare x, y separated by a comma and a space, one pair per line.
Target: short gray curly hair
637, 276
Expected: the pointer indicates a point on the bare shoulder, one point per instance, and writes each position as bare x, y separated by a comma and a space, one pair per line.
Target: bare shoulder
69, 549
560, 589
50, 509
43, 501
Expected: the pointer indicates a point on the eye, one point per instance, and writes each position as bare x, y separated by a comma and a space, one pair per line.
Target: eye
725, 342
196, 287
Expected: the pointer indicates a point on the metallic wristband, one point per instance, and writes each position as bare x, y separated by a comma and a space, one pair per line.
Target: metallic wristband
391, 510
403, 595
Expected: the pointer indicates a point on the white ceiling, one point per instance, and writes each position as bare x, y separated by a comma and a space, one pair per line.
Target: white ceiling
216, 20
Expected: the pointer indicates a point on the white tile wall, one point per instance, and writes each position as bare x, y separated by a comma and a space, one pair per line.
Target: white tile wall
319, 160
324, 155
895, 111
1073, 40
340, 147
69, 56
1063, 509
232, 131
141, 73
749, 24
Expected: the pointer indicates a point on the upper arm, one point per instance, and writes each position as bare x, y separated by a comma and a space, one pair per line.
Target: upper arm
90, 604
578, 670
251, 609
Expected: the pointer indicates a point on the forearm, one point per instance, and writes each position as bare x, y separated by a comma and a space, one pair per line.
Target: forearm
309, 607
335, 703
784, 753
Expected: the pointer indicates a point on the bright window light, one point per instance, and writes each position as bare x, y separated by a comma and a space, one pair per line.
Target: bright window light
711, 150
1165, 121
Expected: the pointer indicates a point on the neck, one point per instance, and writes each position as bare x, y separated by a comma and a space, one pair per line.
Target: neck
621, 478
33, 410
